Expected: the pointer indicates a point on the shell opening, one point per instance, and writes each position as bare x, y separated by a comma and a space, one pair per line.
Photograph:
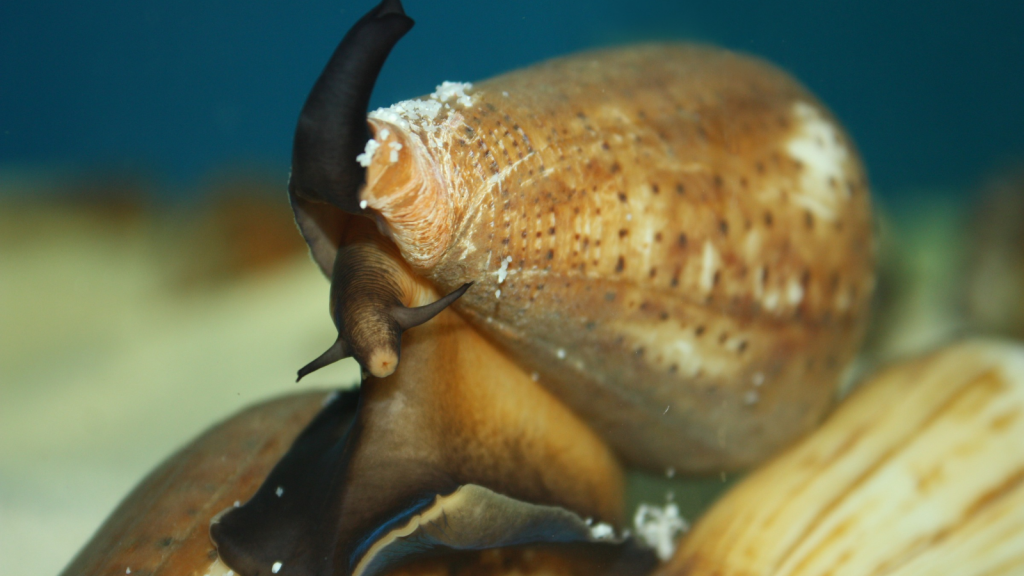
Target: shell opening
408, 195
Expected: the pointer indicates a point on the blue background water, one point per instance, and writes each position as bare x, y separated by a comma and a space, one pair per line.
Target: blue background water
932, 91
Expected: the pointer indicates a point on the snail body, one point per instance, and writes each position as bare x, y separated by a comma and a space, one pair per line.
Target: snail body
675, 238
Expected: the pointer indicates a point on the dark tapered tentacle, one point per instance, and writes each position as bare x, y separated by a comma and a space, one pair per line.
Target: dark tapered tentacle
379, 354
338, 351
411, 317
370, 286
332, 128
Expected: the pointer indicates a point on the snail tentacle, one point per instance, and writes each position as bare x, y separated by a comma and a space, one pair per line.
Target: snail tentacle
374, 298
338, 351
332, 129
412, 317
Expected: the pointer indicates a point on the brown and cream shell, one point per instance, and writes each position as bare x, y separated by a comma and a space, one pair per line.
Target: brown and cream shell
920, 472
676, 238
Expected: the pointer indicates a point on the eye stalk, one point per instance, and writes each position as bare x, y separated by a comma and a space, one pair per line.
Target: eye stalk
370, 323
374, 297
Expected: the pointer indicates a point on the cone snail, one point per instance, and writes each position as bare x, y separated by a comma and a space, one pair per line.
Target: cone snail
676, 239
658, 256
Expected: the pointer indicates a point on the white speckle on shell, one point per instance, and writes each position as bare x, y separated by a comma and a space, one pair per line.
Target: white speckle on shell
709, 266
447, 90
561, 353
419, 113
366, 158
817, 146
503, 271
794, 292
393, 155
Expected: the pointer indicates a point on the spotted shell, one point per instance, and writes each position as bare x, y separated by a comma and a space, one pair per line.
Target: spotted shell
675, 238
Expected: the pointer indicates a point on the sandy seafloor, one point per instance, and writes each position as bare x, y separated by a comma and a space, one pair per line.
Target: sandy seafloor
106, 368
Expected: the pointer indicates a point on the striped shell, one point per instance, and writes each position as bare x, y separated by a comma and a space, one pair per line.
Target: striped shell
919, 472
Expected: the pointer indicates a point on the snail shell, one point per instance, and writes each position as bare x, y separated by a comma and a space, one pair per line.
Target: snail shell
921, 471
676, 238
162, 526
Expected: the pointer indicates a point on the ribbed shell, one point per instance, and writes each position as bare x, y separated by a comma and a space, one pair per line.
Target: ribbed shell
920, 472
675, 238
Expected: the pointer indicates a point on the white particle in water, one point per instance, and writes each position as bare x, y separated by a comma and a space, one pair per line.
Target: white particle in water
758, 378
276, 567
362, 204
561, 353
279, 491
670, 472
751, 397
237, 503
